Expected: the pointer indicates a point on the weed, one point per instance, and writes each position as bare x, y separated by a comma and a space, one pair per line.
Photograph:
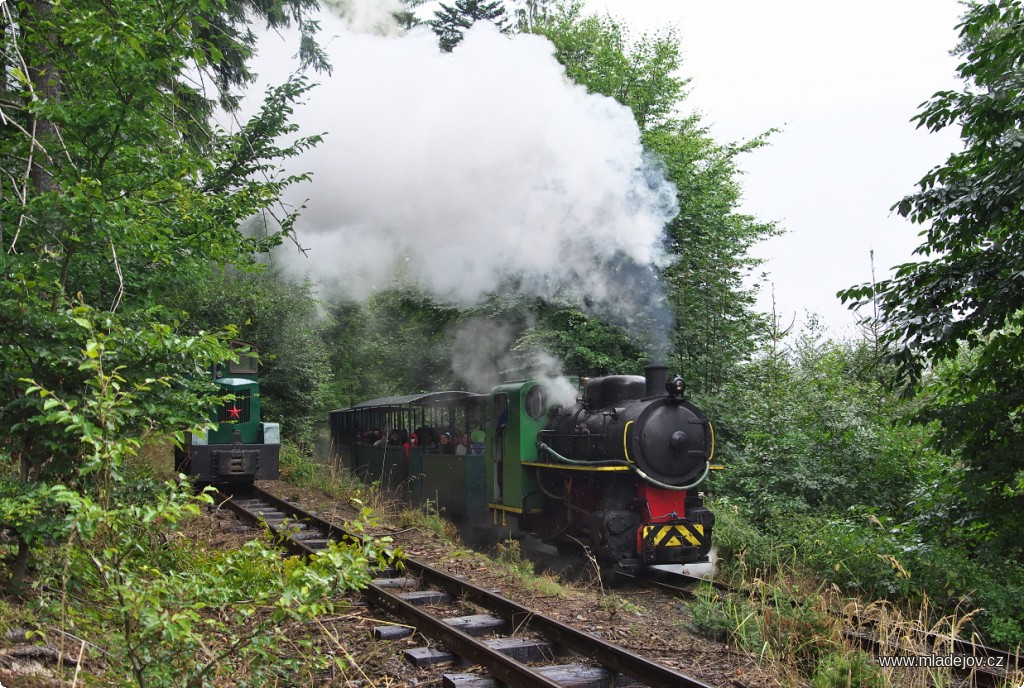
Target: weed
854, 670
427, 518
614, 604
798, 628
727, 619
544, 585
510, 554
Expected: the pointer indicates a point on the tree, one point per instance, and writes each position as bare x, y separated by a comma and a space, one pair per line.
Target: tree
709, 240
399, 342
406, 17
451, 23
281, 321
129, 192
966, 293
114, 190
716, 325
807, 434
598, 53
530, 13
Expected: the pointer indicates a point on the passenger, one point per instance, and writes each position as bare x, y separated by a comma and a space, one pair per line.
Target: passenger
476, 441
426, 435
410, 442
394, 439
463, 447
446, 444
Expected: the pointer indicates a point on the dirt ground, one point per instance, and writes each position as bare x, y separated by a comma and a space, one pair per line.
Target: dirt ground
644, 620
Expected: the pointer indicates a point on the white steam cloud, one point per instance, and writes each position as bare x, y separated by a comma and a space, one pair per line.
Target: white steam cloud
484, 355
457, 171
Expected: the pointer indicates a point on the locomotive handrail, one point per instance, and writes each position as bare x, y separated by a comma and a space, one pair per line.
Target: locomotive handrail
625, 444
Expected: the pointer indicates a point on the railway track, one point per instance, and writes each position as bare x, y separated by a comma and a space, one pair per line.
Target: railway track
513, 644
983, 666
304, 533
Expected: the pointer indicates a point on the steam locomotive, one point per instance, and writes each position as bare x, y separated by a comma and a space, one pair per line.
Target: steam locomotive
617, 470
240, 448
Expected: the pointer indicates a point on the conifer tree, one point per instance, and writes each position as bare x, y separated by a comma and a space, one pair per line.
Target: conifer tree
451, 23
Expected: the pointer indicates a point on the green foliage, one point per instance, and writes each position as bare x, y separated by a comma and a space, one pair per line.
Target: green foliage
716, 326
283, 322
510, 554
298, 467
115, 191
773, 622
798, 627
451, 22
819, 457
740, 548
877, 557
428, 519
129, 194
848, 670
597, 52
709, 240
727, 619
967, 290
585, 345
398, 343
165, 613
805, 430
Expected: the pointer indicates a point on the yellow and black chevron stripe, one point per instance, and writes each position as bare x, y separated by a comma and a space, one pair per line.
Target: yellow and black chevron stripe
672, 535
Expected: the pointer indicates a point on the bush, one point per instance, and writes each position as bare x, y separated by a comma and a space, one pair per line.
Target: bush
739, 546
299, 467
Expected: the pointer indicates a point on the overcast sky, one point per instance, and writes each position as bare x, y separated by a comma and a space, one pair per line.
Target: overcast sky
841, 80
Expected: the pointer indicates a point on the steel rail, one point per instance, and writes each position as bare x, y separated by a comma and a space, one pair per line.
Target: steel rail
501, 666
607, 654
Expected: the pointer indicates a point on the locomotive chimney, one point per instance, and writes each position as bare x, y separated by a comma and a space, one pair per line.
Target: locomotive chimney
657, 376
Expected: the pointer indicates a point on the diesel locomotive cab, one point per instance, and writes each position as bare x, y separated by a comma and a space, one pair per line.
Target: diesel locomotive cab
648, 448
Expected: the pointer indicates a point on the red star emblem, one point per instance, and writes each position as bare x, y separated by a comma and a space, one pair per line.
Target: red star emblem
234, 413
